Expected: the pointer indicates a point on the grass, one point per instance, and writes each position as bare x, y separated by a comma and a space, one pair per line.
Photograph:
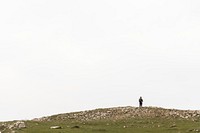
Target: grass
133, 125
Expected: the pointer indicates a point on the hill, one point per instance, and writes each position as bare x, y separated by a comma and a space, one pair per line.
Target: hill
111, 120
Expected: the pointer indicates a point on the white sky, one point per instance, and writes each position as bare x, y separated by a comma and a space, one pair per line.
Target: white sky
68, 55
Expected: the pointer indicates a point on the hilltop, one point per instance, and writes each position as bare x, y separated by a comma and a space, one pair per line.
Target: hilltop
128, 119
118, 113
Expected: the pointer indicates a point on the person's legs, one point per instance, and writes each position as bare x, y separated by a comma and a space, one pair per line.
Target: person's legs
140, 104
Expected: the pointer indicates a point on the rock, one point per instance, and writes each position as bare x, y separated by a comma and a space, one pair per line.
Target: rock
55, 127
174, 125
197, 130
21, 125
17, 125
2, 127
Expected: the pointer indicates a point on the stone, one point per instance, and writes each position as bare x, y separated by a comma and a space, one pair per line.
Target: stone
2, 127
55, 127
21, 125
17, 125
174, 125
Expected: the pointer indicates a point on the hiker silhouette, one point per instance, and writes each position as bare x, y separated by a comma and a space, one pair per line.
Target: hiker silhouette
140, 102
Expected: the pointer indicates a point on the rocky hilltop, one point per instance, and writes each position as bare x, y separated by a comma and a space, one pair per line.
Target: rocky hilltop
117, 113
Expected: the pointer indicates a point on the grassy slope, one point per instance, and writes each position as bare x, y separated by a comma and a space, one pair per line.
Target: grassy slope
133, 125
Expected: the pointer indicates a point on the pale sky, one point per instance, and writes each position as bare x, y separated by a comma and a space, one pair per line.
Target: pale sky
59, 56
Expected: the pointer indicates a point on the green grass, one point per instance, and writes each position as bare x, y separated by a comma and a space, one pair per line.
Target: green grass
133, 125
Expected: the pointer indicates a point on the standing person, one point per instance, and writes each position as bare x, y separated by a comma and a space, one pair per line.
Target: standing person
140, 102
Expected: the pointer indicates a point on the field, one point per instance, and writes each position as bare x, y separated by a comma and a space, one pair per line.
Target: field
154, 125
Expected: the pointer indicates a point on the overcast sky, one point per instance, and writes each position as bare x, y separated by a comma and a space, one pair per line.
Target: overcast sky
60, 56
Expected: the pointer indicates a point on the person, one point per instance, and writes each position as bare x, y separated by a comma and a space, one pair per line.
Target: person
140, 102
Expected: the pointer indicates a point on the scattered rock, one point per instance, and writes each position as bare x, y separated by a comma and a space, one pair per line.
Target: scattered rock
118, 113
17, 125
2, 127
194, 130
41, 119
